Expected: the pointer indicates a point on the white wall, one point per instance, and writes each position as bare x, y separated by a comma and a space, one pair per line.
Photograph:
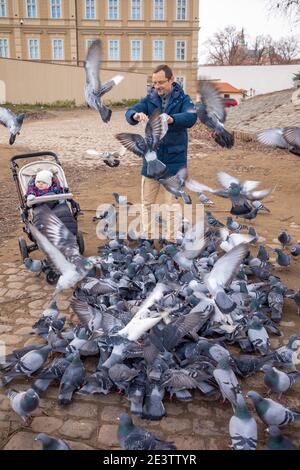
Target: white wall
2, 92
261, 78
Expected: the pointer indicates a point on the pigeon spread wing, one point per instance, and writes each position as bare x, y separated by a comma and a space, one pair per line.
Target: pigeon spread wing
133, 142
225, 179
212, 100
273, 137
156, 129
292, 136
56, 231
92, 65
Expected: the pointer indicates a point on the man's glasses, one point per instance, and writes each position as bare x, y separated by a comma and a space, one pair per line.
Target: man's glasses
161, 82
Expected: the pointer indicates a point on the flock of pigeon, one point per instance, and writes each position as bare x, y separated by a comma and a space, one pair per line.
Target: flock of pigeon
164, 321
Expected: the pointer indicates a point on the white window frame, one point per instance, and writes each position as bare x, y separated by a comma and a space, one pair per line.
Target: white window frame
140, 49
162, 58
113, 9
57, 6
110, 41
134, 5
179, 8
30, 4
182, 41
62, 49
88, 42
181, 80
3, 7
38, 48
5, 45
155, 10
88, 7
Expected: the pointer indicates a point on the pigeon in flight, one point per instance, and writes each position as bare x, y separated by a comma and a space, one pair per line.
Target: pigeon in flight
61, 247
211, 112
12, 122
94, 90
155, 130
110, 159
175, 184
283, 138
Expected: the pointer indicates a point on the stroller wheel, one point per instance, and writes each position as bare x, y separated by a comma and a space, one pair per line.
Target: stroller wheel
51, 277
80, 242
23, 249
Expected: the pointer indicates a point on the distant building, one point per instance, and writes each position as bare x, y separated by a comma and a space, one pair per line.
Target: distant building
137, 35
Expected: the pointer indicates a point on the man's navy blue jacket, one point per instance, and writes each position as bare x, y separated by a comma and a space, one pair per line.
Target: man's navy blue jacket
172, 150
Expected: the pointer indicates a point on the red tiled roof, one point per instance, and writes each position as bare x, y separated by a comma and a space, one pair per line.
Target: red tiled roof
225, 87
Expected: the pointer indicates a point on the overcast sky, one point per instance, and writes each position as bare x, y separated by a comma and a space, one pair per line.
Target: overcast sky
253, 15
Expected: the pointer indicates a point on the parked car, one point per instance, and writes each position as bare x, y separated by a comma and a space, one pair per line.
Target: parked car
229, 102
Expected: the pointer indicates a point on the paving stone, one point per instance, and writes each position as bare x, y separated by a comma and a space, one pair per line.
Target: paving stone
188, 442
33, 288
23, 440
24, 321
174, 409
77, 408
217, 443
24, 331
46, 424
10, 339
11, 271
111, 413
2, 292
5, 328
173, 425
199, 410
108, 436
78, 429
36, 304
15, 285
78, 445
63, 304
206, 427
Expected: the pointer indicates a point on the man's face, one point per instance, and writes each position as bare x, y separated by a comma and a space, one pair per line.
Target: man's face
162, 84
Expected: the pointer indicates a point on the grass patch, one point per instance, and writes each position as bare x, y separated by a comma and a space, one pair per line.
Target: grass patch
23, 107
122, 104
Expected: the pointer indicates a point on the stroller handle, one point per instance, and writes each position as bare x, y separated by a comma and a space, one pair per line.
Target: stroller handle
32, 155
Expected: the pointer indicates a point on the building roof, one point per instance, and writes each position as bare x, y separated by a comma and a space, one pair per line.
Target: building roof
225, 87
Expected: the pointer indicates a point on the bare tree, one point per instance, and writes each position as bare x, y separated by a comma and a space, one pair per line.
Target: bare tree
287, 49
260, 49
224, 48
290, 8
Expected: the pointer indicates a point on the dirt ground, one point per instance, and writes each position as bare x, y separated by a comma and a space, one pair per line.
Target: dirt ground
198, 424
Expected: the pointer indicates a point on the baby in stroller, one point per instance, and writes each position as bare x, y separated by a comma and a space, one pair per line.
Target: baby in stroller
43, 182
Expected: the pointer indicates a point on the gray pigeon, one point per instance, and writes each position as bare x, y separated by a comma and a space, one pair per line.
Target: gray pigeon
175, 184
156, 128
242, 427
12, 122
24, 403
271, 412
94, 90
283, 138
287, 355
211, 112
61, 247
33, 265
227, 381
277, 441
50, 443
71, 380
258, 336
278, 381
133, 437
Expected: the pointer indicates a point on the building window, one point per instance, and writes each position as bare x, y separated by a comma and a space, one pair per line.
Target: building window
90, 9
34, 48
4, 47
181, 81
158, 49
180, 50
136, 49
58, 49
158, 10
88, 42
55, 8
136, 9
31, 8
114, 49
181, 10
3, 8
113, 9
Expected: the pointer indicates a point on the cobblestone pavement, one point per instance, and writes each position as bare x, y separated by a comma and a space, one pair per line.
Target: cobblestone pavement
90, 422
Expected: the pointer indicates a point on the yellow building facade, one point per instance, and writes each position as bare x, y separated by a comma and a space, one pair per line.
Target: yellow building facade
137, 35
